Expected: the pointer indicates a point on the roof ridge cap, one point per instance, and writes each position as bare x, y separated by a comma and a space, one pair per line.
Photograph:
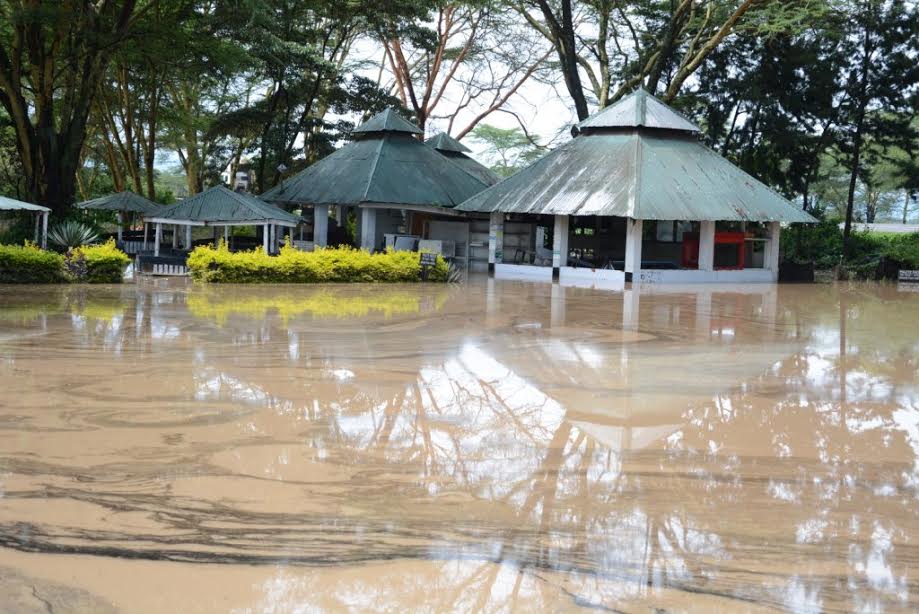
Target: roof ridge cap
373, 169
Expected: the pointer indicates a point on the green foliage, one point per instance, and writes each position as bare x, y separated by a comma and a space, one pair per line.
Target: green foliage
30, 265
70, 234
822, 244
104, 264
343, 264
508, 149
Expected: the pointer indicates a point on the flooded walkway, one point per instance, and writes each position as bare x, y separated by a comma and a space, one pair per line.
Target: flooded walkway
495, 446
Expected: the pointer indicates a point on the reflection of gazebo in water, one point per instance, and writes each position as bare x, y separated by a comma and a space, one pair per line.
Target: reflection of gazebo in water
41, 216
220, 207
121, 203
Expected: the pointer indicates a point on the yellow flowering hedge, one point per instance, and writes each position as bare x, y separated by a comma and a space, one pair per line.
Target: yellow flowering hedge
105, 263
331, 265
28, 264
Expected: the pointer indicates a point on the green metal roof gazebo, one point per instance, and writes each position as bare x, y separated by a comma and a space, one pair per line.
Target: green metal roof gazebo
449, 147
41, 216
384, 167
121, 203
219, 206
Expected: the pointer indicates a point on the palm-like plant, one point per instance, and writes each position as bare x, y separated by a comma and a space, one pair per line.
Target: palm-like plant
71, 234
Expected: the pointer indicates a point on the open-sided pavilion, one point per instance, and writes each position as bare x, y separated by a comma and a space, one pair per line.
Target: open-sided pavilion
396, 181
41, 217
122, 203
220, 207
636, 195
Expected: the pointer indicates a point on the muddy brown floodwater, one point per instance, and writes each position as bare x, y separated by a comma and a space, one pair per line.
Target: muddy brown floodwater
493, 446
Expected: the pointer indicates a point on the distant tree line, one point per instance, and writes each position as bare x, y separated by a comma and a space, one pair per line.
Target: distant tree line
815, 97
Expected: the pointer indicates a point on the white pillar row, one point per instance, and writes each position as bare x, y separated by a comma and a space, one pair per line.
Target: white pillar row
44, 229
559, 244
157, 237
265, 237
707, 246
188, 237
495, 240
772, 247
321, 225
633, 232
120, 216
368, 228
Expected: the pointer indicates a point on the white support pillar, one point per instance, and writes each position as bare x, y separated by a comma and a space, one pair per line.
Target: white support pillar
120, 216
559, 245
368, 228
320, 225
265, 237
495, 240
157, 237
146, 231
188, 237
631, 301
226, 235
633, 235
707, 246
175, 236
772, 248
38, 217
44, 229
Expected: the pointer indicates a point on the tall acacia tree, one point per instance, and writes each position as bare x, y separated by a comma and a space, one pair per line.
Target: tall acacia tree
52, 58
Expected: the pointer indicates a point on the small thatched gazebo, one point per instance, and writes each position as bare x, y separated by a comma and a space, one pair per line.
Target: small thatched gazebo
385, 169
219, 206
41, 216
121, 203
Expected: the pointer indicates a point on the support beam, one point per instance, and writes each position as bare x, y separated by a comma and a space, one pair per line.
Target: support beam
495, 240
321, 225
559, 245
38, 217
633, 235
707, 246
120, 216
188, 237
772, 247
226, 235
157, 237
175, 236
146, 234
368, 228
44, 229
265, 237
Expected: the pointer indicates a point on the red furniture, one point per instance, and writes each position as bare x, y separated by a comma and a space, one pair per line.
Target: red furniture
726, 240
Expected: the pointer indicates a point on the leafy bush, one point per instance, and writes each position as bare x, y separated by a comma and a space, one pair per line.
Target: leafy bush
100, 264
822, 244
30, 265
70, 234
333, 265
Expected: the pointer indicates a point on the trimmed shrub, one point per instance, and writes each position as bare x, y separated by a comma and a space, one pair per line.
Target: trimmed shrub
103, 264
332, 265
30, 265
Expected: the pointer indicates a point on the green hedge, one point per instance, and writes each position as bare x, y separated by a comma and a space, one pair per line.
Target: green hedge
333, 265
822, 244
27, 264
104, 264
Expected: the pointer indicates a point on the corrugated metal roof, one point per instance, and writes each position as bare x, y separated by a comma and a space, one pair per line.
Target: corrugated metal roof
9, 204
220, 205
121, 201
387, 121
639, 174
387, 167
445, 142
639, 109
